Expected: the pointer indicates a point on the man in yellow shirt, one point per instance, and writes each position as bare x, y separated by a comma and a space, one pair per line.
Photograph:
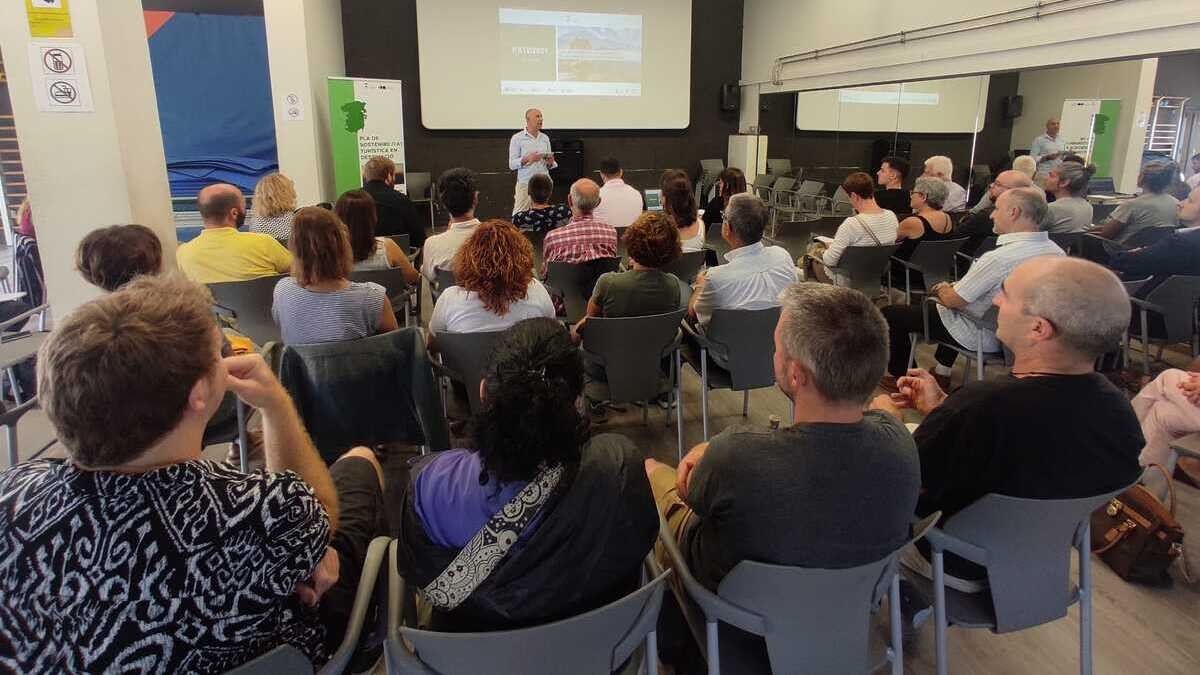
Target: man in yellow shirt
221, 252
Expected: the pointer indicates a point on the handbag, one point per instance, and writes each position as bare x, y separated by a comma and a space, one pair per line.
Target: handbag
1138, 536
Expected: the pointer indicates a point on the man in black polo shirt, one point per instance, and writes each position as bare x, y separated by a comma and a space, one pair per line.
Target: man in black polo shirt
1053, 429
396, 212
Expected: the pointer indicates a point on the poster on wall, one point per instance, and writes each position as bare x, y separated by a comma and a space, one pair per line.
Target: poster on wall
1089, 129
49, 18
366, 118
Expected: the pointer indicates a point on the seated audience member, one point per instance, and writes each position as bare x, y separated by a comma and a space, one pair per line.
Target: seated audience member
1023, 164
27, 261
1017, 218
1153, 208
730, 182
1193, 180
1053, 429
754, 274
111, 257
927, 223
318, 302
679, 203
891, 195
274, 206
1168, 408
584, 238
1069, 212
644, 289
541, 216
869, 226
356, 209
1176, 254
533, 470
940, 166
847, 479
620, 203
494, 284
396, 212
459, 191
977, 225
215, 567
221, 253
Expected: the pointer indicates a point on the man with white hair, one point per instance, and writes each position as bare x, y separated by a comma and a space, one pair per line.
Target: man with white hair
940, 166
1052, 429
529, 154
1018, 216
1046, 149
584, 238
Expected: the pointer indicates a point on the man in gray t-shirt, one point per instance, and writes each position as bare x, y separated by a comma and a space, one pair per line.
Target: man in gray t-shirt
837, 489
1149, 210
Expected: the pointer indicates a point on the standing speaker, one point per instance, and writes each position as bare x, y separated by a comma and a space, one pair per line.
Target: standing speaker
731, 96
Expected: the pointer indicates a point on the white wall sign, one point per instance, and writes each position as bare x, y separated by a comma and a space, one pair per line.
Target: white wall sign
60, 79
292, 107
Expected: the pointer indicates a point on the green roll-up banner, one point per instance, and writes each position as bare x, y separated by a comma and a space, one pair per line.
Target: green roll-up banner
366, 118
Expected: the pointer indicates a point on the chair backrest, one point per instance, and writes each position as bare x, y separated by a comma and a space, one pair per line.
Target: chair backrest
594, 643
687, 265
282, 659
815, 620
1132, 287
250, 301
378, 389
1067, 241
1177, 296
864, 266
1097, 249
783, 183
935, 259
765, 180
402, 240
630, 349
781, 166
576, 282
811, 187
466, 355
443, 277
711, 168
1148, 236
418, 184
1028, 547
391, 279
748, 336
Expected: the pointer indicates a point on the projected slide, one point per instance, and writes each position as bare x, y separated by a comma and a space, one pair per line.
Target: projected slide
952, 105
550, 53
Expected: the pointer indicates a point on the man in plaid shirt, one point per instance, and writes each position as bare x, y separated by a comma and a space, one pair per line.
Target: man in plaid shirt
584, 238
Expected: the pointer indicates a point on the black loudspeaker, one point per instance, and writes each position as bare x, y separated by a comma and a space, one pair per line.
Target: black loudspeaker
568, 152
731, 96
1013, 106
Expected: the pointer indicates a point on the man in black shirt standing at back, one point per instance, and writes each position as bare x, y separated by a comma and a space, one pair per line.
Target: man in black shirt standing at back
396, 212
1053, 429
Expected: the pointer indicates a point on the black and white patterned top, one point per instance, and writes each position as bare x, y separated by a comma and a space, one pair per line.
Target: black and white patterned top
542, 220
279, 227
188, 568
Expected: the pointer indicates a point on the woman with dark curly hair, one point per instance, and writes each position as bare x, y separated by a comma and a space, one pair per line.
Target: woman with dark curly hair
575, 514
652, 241
494, 284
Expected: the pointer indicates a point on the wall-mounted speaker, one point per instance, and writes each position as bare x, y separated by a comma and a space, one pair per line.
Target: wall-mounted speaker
1013, 106
731, 96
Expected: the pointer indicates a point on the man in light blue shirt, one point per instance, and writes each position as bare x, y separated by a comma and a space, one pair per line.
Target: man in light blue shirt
1047, 149
529, 154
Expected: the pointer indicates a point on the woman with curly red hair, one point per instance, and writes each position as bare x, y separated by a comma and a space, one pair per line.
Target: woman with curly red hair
494, 284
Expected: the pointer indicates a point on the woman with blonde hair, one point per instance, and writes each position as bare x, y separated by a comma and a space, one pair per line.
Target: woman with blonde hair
274, 206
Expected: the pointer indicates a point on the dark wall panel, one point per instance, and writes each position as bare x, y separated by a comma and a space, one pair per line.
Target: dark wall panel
383, 43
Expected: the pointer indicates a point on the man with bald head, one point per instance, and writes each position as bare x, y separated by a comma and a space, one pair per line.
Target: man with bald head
1047, 149
978, 223
1016, 222
529, 154
583, 238
222, 253
1053, 428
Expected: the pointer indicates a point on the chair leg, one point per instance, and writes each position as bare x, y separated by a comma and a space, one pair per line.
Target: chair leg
1145, 342
912, 350
939, 611
907, 285
678, 404
894, 619
746, 403
16, 388
14, 456
704, 389
650, 657
1085, 600
714, 649
243, 437
645, 412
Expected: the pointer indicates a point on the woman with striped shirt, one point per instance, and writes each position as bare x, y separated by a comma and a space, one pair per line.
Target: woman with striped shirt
318, 302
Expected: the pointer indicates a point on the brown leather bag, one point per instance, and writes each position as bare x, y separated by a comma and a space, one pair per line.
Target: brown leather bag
1138, 536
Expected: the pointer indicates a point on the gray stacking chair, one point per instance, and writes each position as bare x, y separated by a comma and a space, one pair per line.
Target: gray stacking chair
287, 659
249, 304
420, 191
737, 352
576, 281
984, 324
630, 350
464, 357
1097, 248
838, 205
442, 279
392, 280
813, 620
1131, 288
1067, 241
988, 244
402, 240
686, 266
865, 266
17, 348
933, 259
1175, 300
762, 186
780, 166
1025, 544
598, 642
36, 434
